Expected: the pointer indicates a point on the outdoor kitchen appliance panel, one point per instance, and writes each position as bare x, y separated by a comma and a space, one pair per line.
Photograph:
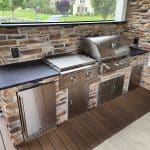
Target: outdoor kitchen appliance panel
64, 63
111, 51
76, 73
105, 47
38, 110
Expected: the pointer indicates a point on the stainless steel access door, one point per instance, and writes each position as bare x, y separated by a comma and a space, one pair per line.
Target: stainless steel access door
135, 77
38, 107
78, 96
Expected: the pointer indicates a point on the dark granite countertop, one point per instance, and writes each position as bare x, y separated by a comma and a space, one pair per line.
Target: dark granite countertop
134, 51
17, 74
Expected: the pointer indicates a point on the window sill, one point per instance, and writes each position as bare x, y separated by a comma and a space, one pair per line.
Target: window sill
65, 24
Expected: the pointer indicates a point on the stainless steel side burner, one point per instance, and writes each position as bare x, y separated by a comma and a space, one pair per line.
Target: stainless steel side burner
64, 63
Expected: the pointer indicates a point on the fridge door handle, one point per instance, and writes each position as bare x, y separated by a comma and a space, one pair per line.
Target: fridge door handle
22, 115
70, 102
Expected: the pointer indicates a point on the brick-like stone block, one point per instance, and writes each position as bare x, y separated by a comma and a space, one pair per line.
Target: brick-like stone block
16, 36
137, 21
12, 118
11, 106
2, 37
8, 31
38, 42
8, 42
31, 51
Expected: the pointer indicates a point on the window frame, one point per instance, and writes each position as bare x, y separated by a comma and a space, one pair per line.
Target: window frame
82, 1
120, 16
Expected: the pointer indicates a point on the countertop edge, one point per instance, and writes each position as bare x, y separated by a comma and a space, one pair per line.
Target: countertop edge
21, 83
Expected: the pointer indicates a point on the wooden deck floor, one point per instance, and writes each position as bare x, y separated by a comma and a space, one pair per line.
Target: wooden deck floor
93, 127
2, 145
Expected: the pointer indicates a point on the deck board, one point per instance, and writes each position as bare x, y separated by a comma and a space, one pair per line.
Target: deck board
74, 136
2, 146
35, 145
45, 143
86, 135
93, 127
56, 141
66, 139
24, 146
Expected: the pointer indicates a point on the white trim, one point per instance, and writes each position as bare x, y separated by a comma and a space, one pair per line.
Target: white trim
121, 7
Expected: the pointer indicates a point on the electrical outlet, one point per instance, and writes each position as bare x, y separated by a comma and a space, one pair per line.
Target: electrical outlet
15, 52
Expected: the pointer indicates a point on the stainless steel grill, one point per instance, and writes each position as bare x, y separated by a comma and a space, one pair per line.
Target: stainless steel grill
105, 47
110, 51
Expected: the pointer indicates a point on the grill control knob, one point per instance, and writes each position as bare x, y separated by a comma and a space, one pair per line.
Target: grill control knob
73, 78
114, 45
88, 74
117, 65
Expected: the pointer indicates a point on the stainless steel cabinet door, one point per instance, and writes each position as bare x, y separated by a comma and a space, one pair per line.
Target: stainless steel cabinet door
110, 89
38, 109
78, 99
106, 91
118, 87
135, 76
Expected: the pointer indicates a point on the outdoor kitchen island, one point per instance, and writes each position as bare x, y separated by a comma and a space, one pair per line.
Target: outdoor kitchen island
12, 108
36, 100
91, 128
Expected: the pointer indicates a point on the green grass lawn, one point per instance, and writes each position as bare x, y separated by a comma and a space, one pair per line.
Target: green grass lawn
83, 18
33, 16
25, 14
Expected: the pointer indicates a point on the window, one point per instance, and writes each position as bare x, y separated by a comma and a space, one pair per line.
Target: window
82, 1
13, 11
78, 9
86, 9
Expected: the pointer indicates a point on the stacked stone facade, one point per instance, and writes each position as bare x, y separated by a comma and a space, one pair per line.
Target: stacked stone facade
138, 22
145, 79
41, 41
10, 107
145, 76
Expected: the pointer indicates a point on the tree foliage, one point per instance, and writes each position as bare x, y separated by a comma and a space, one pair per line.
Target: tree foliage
63, 6
104, 7
4, 5
13, 4
41, 6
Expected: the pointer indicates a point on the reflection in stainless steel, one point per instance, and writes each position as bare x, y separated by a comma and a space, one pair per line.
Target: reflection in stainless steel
63, 63
77, 72
105, 47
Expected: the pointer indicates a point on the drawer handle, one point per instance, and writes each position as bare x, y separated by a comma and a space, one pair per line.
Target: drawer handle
70, 102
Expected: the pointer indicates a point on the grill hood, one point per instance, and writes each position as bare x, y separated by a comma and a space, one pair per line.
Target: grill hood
105, 47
